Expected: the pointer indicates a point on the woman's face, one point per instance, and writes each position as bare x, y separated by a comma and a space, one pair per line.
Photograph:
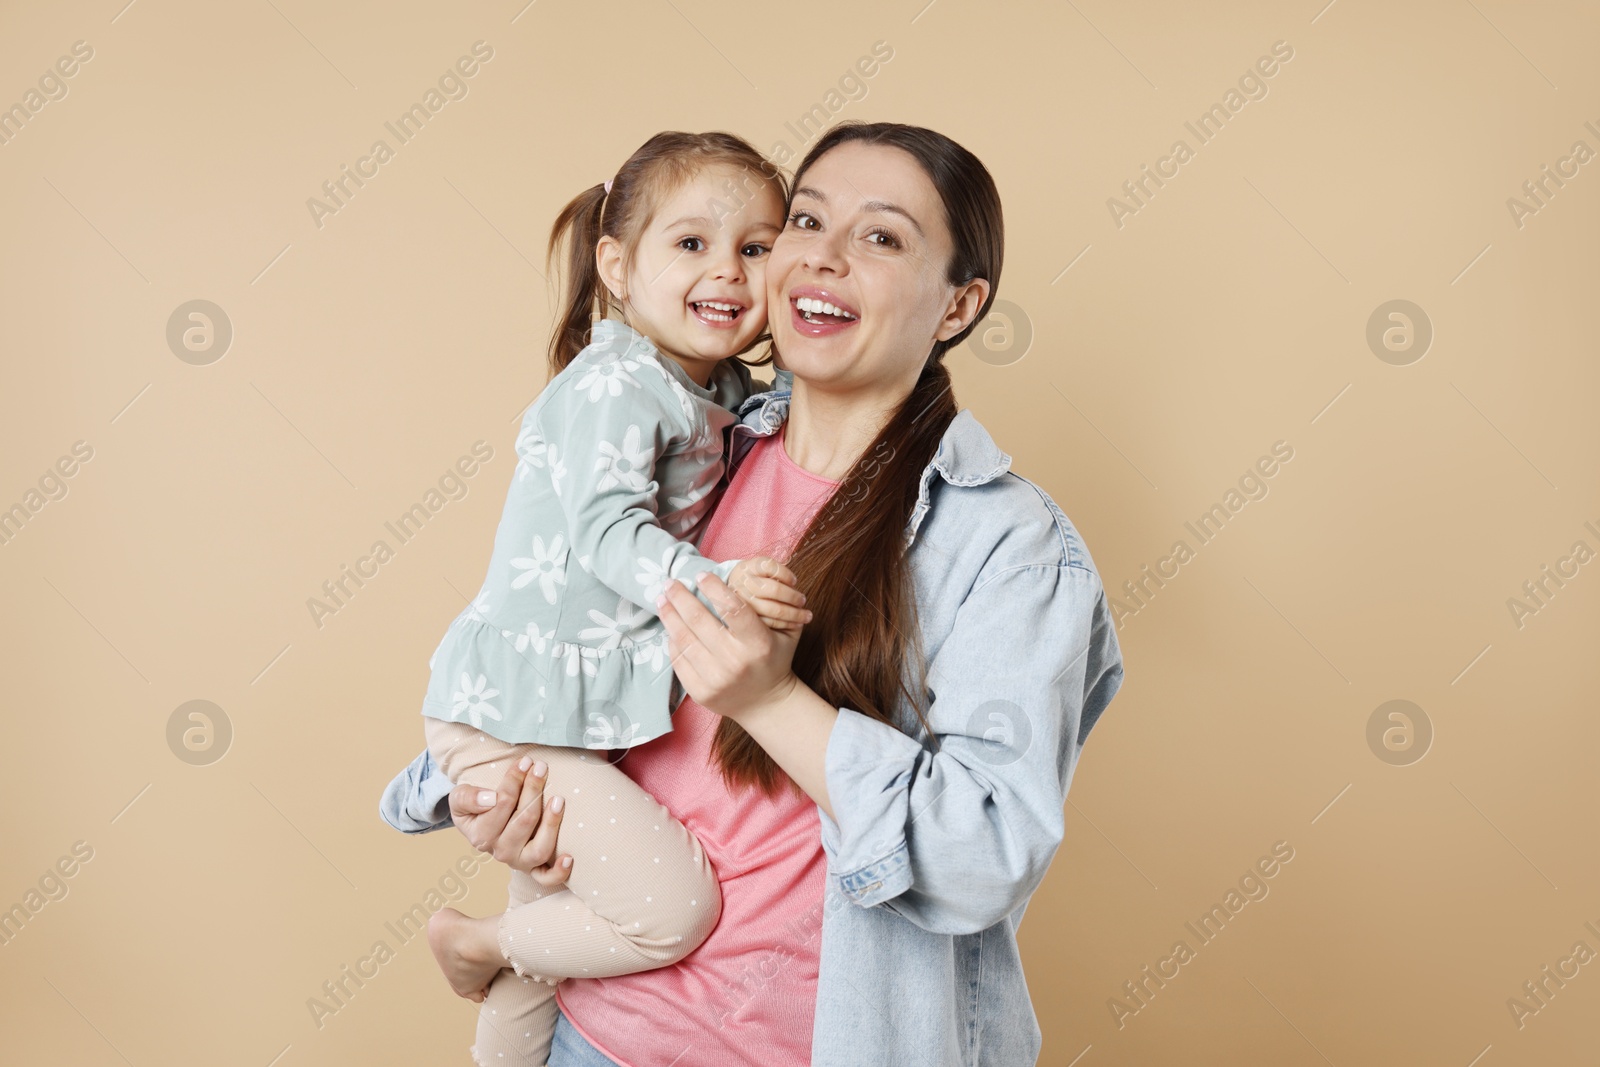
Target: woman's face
857, 285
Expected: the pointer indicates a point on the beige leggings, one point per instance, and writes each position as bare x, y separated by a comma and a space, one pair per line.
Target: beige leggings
642, 893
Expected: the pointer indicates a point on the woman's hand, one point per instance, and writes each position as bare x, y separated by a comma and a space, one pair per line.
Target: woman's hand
731, 667
514, 824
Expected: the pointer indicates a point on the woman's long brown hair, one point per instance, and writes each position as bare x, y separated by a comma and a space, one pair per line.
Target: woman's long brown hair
863, 649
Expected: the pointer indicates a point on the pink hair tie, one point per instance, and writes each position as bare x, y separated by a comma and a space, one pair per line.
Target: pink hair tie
608, 186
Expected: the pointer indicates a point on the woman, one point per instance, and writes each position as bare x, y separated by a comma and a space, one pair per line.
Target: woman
932, 713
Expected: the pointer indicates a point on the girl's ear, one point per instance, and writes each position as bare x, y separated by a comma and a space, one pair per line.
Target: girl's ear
962, 309
608, 264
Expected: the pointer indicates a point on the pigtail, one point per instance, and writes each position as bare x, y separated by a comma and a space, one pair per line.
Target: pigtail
578, 227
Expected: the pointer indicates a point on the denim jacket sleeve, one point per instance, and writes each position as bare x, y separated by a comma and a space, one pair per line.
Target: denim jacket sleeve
418, 800
955, 839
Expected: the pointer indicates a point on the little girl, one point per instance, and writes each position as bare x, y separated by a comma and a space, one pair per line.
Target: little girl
561, 652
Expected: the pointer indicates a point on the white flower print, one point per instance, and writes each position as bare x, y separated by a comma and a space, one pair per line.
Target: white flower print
607, 731
546, 565
606, 378
626, 466
558, 467
693, 496
478, 610
653, 576
473, 699
577, 658
531, 450
621, 632
652, 654
532, 637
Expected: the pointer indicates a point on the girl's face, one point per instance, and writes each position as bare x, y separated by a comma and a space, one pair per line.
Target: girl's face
857, 281
697, 283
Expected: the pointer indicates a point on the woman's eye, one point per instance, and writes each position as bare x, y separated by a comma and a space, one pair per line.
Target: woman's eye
692, 244
801, 220
883, 239
754, 250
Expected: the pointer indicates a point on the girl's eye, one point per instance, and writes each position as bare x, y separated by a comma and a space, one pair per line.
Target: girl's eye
889, 240
755, 250
804, 221
692, 244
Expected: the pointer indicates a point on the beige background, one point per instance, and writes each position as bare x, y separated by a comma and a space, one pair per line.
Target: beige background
1228, 313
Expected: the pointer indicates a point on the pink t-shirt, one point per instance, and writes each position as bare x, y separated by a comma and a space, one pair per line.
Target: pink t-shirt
748, 993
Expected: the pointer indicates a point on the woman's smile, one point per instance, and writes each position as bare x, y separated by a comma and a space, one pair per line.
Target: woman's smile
817, 312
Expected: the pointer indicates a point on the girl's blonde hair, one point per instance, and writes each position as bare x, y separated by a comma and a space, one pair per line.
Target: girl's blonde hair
661, 165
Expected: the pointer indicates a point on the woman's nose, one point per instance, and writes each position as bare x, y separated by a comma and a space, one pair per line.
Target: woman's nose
824, 253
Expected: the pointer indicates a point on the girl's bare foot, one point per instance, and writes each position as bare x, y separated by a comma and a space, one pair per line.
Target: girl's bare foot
468, 951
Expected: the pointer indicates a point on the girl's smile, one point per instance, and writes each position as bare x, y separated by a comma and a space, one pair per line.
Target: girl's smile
696, 283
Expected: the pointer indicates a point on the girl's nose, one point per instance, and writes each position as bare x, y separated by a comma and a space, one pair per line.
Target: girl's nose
729, 267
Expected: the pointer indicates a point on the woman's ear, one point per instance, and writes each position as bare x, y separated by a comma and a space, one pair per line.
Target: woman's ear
608, 263
963, 308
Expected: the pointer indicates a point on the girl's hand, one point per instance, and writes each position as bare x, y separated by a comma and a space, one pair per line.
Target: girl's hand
772, 590
731, 667
514, 824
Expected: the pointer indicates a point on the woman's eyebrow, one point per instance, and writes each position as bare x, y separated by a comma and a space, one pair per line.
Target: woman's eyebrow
893, 209
880, 206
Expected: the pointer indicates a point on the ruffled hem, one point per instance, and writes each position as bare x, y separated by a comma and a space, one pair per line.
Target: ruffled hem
550, 692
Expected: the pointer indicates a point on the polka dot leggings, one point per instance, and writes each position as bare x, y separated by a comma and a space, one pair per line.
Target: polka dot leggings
642, 894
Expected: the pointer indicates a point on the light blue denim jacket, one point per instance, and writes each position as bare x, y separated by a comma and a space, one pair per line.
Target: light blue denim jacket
933, 854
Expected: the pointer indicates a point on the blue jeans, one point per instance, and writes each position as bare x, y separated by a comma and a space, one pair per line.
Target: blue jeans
569, 1049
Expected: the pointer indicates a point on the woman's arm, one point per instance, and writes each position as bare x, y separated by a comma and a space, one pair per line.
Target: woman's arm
740, 668
417, 800
512, 823
955, 838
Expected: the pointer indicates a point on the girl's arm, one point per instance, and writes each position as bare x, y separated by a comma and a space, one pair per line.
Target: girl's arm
602, 452
955, 838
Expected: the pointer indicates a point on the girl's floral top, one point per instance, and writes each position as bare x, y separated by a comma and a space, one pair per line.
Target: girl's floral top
618, 462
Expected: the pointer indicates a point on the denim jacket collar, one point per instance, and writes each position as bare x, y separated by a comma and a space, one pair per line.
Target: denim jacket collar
966, 456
